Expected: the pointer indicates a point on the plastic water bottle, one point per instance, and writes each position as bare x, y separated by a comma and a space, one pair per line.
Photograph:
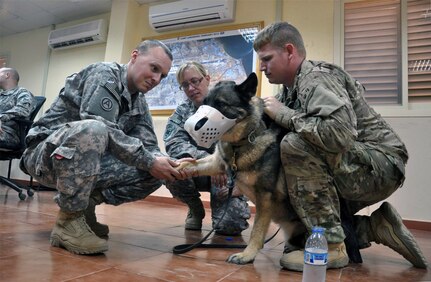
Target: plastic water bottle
315, 256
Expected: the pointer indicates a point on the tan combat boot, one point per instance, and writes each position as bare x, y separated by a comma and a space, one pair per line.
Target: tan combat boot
337, 258
72, 233
101, 230
195, 215
387, 228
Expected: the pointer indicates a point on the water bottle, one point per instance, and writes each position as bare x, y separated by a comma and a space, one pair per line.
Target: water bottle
315, 256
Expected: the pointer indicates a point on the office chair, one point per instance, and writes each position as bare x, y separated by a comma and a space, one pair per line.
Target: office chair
8, 154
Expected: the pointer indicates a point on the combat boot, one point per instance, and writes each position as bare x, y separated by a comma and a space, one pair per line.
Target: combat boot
101, 230
337, 258
72, 233
195, 215
387, 228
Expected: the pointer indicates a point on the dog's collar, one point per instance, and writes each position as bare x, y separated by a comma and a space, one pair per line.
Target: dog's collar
232, 165
251, 137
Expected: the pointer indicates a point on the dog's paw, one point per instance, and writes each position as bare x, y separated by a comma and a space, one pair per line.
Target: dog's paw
185, 165
240, 258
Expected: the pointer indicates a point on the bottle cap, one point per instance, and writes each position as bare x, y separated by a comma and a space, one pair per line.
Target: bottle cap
318, 229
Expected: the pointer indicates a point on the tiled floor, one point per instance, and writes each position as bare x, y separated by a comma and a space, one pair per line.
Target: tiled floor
140, 249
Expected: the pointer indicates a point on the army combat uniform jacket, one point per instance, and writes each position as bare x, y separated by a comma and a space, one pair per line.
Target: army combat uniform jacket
337, 145
331, 113
101, 133
180, 144
14, 103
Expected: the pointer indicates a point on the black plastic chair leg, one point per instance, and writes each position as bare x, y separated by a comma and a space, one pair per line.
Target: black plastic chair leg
16, 187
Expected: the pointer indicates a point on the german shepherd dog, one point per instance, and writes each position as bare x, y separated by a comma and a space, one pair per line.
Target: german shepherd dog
251, 149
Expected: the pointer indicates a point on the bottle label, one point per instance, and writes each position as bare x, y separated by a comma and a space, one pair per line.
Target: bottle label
315, 258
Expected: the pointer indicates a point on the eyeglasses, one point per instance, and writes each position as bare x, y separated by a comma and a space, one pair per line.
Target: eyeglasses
194, 81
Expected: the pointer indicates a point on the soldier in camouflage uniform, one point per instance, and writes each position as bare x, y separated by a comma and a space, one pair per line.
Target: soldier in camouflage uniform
336, 146
15, 102
194, 81
96, 144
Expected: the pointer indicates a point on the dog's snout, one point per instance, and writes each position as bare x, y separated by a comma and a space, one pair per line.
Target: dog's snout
201, 123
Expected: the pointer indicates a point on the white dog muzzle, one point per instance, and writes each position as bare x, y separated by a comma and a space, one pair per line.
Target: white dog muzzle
207, 125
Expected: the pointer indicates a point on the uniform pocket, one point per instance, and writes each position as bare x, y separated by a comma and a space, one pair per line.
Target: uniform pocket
63, 152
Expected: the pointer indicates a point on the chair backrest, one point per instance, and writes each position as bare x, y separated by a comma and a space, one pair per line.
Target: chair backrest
40, 100
24, 125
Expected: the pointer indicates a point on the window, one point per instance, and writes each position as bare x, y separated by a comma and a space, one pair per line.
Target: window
419, 49
373, 49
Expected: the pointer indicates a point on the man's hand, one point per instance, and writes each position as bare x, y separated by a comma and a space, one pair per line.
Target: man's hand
271, 106
164, 168
186, 168
219, 180
223, 192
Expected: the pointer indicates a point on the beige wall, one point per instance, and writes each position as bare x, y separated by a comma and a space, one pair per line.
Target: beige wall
125, 30
65, 62
315, 20
44, 72
28, 53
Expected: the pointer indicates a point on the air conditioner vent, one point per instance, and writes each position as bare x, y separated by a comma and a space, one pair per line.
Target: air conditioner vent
188, 13
187, 21
79, 35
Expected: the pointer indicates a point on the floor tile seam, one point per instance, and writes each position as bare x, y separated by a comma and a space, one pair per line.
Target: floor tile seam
143, 248
43, 249
141, 274
139, 229
14, 255
149, 233
207, 260
204, 233
231, 273
29, 211
121, 267
204, 260
87, 274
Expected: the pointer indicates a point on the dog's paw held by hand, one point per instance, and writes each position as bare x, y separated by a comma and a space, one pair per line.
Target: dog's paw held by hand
185, 165
240, 258
187, 169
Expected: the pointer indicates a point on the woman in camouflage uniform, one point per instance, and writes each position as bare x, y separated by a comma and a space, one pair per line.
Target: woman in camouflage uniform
194, 80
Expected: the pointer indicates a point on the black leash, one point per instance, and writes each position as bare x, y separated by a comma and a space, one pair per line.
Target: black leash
181, 249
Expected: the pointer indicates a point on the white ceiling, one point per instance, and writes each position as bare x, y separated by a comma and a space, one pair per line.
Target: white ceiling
23, 15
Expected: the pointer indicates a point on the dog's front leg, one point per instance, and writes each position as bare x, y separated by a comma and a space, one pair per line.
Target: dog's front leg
209, 166
260, 228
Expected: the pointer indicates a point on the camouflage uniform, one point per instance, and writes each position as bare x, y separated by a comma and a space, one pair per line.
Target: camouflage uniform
96, 135
14, 103
337, 145
179, 144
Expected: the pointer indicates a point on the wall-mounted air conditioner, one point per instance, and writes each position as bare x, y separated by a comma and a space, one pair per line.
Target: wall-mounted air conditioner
79, 35
188, 13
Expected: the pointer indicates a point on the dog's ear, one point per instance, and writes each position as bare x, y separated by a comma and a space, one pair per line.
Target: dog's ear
248, 87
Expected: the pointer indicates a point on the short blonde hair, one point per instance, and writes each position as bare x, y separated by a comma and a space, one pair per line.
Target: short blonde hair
190, 65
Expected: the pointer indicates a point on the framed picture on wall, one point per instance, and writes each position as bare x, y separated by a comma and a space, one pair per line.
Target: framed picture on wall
226, 52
